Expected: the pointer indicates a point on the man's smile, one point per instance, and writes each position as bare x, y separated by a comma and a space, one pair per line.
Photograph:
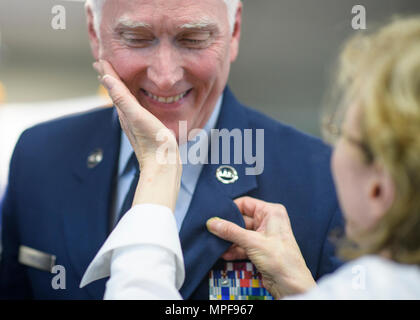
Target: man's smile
167, 99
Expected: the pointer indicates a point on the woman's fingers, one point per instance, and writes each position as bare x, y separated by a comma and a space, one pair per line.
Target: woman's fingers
230, 232
248, 206
136, 121
261, 212
249, 223
235, 253
120, 95
271, 247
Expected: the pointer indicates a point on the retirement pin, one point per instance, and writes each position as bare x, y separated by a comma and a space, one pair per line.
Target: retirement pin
226, 174
94, 158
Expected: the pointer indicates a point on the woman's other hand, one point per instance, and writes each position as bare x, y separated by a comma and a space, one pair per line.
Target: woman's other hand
269, 244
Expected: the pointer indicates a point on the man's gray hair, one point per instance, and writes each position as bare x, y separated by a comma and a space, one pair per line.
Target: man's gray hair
96, 7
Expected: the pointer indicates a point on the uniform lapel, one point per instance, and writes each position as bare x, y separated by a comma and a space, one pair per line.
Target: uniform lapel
85, 215
213, 198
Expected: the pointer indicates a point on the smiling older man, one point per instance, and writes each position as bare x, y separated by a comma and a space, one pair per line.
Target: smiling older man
174, 56
72, 179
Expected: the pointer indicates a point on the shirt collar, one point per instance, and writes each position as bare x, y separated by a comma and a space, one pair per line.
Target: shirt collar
190, 172
126, 150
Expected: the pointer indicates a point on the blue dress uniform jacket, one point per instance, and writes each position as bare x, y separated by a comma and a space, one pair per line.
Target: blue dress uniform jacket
58, 204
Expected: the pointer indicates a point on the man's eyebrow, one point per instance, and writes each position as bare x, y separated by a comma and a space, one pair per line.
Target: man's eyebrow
127, 23
204, 24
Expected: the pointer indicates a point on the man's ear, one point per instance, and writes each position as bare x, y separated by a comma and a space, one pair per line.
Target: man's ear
381, 192
93, 36
236, 35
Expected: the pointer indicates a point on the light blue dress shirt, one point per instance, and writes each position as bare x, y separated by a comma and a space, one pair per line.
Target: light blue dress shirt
189, 179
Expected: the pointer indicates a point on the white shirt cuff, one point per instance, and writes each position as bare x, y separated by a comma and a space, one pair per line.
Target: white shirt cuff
146, 224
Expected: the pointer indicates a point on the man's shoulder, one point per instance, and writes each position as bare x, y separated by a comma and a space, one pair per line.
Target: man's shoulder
72, 121
283, 134
67, 127
299, 158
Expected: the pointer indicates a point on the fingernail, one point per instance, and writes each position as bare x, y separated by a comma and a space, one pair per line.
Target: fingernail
101, 65
108, 81
212, 223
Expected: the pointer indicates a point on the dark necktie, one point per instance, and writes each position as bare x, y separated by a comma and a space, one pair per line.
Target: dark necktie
128, 201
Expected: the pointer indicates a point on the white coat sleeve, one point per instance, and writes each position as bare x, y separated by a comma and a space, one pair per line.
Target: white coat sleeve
142, 256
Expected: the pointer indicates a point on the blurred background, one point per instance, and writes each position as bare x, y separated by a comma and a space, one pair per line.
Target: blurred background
288, 49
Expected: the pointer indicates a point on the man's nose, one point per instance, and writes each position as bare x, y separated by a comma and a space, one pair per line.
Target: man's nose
166, 67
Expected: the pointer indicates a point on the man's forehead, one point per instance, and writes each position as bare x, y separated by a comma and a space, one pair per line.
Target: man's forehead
182, 13
168, 3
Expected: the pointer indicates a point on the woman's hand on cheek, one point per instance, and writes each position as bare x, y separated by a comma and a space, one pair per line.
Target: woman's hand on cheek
151, 140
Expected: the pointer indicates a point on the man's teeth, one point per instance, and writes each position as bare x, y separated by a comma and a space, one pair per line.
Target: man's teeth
168, 99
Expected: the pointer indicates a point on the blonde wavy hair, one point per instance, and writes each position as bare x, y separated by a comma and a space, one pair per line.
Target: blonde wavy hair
380, 72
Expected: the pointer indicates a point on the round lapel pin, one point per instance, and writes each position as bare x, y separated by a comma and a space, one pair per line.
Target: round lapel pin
94, 158
226, 174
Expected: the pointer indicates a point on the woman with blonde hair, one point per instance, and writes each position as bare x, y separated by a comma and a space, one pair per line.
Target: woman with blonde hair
376, 168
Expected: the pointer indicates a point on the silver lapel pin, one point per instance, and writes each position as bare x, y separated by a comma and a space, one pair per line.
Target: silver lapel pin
227, 174
94, 158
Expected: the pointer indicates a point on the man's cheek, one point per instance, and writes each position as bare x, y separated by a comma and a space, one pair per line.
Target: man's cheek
127, 65
207, 61
205, 69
